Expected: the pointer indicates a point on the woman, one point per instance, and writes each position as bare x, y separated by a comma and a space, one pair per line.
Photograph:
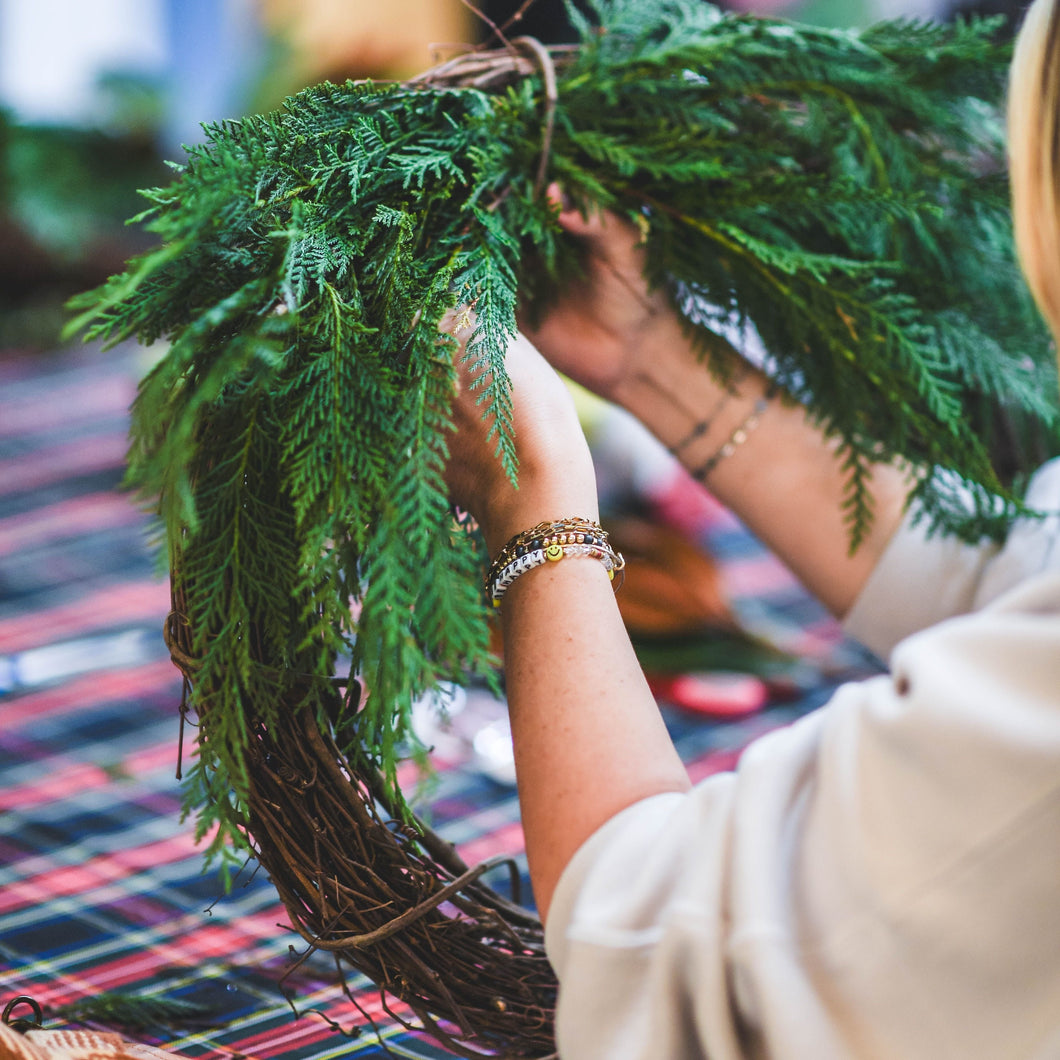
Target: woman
882, 878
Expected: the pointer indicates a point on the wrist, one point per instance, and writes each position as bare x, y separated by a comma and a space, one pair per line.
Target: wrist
550, 542
566, 489
682, 400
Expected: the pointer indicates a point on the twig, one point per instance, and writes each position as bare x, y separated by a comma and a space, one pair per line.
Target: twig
548, 76
518, 16
489, 22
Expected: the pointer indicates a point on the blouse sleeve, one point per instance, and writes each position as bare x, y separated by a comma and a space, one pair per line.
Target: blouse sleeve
877, 880
922, 579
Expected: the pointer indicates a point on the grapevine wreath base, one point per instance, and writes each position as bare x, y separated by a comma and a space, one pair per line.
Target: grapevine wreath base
386, 896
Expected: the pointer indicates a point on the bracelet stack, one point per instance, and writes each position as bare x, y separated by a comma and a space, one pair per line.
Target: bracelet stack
550, 542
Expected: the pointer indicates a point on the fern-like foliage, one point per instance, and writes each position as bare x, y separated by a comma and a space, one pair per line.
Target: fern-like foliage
841, 192
136, 1012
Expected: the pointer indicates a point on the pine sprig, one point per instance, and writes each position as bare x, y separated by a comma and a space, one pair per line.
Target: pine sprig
841, 192
136, 1012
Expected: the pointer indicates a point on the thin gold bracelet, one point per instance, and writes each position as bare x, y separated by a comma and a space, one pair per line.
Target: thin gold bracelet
733, 442
708, 421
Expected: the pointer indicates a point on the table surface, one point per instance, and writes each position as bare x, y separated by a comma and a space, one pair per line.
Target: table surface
102, 887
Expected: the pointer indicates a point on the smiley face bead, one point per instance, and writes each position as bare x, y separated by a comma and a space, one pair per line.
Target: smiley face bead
553, 553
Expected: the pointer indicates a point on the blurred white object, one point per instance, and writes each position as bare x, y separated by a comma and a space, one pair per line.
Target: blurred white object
494, 754
434, 720
58, 662
204, 56
467, 726
53, 52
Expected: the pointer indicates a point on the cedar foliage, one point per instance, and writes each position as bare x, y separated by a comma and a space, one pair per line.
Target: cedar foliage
136, 1012
841, 191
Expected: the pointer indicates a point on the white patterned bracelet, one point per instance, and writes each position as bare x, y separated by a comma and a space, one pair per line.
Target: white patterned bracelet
502, 576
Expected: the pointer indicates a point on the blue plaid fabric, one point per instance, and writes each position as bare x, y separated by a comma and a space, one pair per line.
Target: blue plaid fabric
101, 885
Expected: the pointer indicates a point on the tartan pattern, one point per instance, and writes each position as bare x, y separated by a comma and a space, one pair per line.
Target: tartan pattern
101, 885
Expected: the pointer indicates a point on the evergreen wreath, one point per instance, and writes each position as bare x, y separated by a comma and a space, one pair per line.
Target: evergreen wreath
843, 192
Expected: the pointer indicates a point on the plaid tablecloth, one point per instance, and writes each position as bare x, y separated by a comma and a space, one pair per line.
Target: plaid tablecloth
101, 886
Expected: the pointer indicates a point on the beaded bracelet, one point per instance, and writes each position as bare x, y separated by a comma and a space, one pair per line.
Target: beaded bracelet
559, 532
550, 542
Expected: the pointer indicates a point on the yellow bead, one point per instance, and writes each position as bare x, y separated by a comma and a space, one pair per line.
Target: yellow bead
553, 553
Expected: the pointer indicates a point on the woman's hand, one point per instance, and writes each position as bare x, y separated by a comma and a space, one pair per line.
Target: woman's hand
556, 478
607, 322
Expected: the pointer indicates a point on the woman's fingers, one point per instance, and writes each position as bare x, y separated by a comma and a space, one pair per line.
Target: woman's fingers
606, 235
593, 329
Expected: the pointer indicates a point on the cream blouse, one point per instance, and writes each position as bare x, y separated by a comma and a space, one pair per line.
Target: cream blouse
881, 878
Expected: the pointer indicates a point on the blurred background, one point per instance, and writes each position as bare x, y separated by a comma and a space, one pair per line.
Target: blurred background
94, 94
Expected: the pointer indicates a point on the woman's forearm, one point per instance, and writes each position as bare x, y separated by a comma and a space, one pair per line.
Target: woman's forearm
588, 737
587, 733
586, 730
624, 341
783, 479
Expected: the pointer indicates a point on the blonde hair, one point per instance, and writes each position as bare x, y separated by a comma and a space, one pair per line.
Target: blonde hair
1034, 154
